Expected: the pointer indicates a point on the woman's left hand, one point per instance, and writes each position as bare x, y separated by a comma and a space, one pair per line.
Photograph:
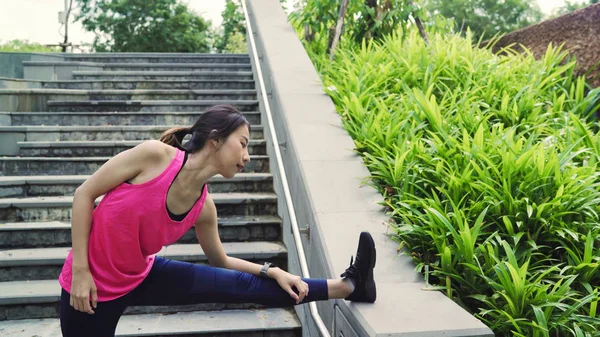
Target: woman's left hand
287, 281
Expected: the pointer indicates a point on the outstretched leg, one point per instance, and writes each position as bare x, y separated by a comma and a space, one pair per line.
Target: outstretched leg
178, 283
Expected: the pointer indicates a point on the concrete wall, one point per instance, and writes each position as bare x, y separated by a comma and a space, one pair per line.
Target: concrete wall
11, 64
325, 176
25, 101
578, 31
40, 66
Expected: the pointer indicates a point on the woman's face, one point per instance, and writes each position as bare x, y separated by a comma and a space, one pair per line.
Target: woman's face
232, 153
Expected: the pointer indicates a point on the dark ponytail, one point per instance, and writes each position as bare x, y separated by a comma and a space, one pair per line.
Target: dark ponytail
217, 122
175, 136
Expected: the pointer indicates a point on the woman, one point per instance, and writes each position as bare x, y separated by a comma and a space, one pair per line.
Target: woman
155, 192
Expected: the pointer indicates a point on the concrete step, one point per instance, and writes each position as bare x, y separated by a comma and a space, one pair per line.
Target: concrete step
59, 208
149, 84
31, 96
160, 58
91, 118
46, 263
60, 185
12, 166
148, 105
248, 323
162, 75
176, 66
41, 298
97, 132
99, 148
70, 65
18, 235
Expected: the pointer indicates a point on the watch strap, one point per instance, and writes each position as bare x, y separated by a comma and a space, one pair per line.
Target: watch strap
264, 269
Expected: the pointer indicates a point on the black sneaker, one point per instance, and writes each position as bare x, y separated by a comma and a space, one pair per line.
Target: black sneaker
361, 271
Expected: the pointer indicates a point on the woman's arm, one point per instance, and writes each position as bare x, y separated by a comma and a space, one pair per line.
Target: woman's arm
207, 233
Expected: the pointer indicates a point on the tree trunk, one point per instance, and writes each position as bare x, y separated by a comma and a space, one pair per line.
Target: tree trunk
338, 29
420, 26
309, 35
64, 47
421, 29
370, 22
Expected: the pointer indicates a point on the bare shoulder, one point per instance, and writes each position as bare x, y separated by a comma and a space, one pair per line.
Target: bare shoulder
156, 150
135, 165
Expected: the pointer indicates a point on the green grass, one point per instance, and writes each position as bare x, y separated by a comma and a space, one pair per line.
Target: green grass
488, 166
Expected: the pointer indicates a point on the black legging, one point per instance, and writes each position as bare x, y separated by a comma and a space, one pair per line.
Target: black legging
178, 283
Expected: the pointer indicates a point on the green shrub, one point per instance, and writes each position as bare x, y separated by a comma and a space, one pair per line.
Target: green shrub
488, 165
25, 46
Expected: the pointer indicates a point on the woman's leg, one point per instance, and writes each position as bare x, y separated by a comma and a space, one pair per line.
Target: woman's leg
177, 283
102, 323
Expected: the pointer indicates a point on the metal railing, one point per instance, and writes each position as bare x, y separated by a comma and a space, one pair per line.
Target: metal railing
286, 190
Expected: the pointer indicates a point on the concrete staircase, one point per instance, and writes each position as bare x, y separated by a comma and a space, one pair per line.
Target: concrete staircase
83, 123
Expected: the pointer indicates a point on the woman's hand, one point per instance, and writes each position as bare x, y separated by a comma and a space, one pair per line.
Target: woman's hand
82, 285
287, 281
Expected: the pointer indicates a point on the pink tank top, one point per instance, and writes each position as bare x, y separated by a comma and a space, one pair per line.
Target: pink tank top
130, 225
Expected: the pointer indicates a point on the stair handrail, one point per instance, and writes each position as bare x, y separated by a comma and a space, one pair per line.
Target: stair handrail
286, 190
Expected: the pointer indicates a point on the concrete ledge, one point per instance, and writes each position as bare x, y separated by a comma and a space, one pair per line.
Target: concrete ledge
85, 92
156, 55
88, 128
181, 252
60, 63
99, 143
79, 179
161, 72
67, 201
29, 292
175, 65
224, 221
17, 83
325, 178
263, 322
150, 102
52, 71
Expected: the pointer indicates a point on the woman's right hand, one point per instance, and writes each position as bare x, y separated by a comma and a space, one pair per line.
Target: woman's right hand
83, 290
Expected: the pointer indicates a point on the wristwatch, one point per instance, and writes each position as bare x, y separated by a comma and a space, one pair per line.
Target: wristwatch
265, 268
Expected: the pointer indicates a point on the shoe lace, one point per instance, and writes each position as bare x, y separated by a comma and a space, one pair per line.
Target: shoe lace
352, 272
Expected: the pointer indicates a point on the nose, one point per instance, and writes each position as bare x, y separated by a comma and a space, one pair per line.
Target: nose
246, 157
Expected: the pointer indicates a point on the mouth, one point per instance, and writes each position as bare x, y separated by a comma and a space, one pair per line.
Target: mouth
240, 167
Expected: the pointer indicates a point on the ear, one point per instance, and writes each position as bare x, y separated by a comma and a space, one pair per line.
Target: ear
216, 142
213, 139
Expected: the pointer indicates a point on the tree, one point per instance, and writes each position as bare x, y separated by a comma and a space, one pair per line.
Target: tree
144, 26
571, 6
230, 37
487, 17
365, 20
22, 46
